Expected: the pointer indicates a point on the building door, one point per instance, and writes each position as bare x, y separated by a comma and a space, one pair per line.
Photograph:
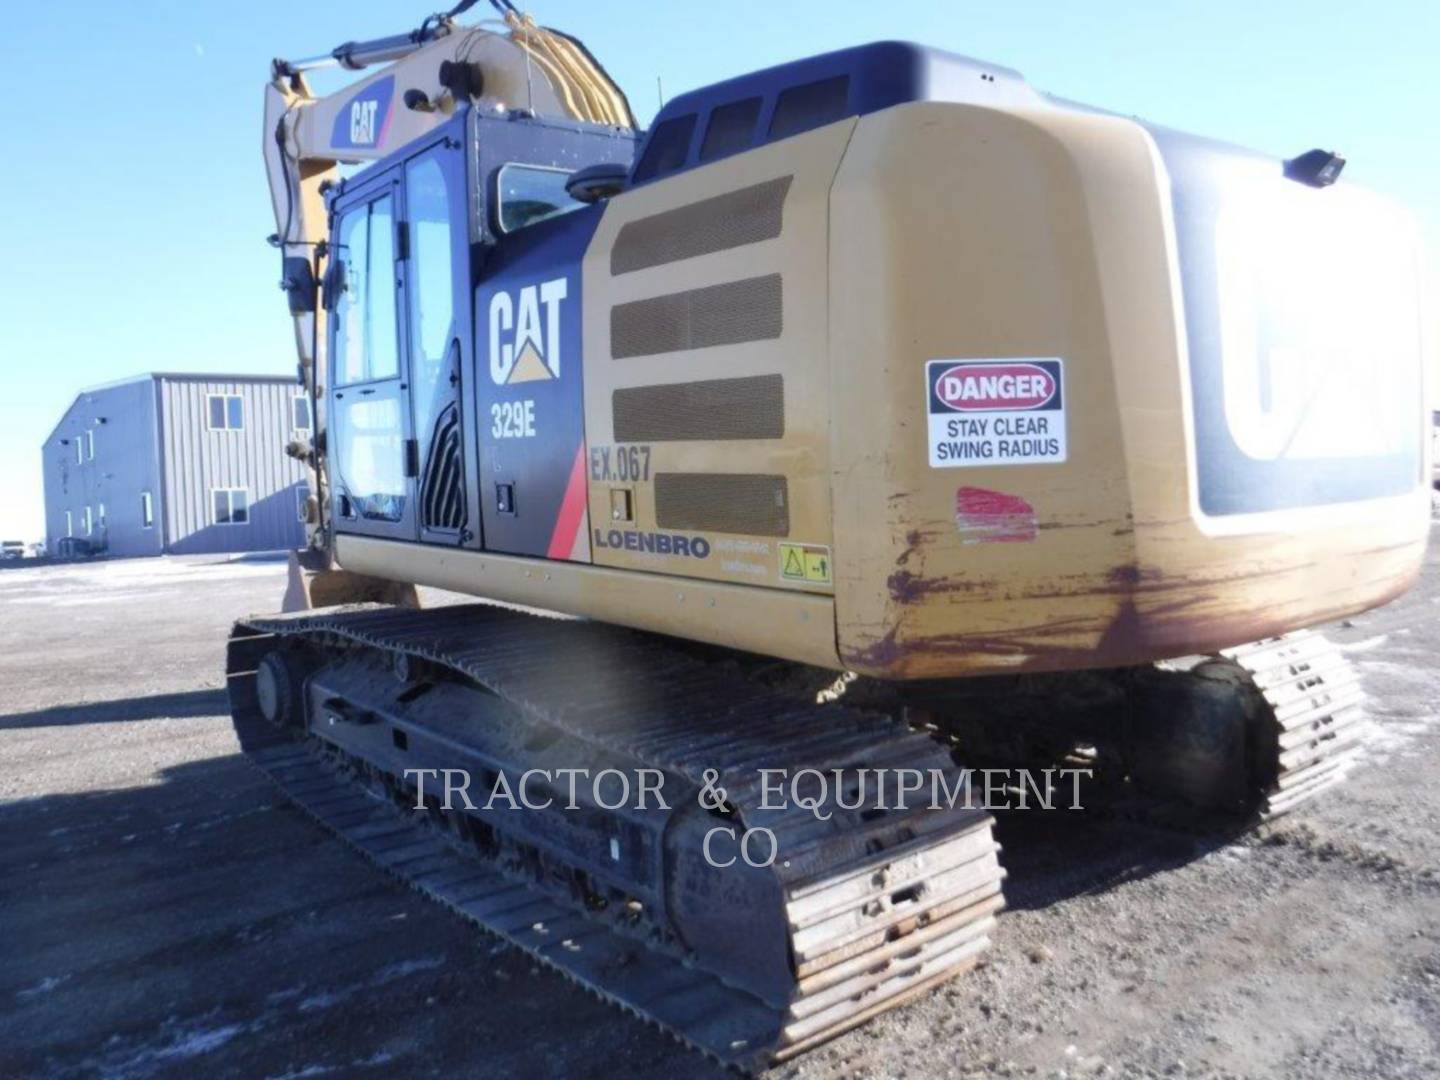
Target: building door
371, 457
437, 274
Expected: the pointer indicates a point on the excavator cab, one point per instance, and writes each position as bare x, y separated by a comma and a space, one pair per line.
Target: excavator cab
418, 341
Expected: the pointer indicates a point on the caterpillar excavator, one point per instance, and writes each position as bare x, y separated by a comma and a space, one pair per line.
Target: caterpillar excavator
870, 415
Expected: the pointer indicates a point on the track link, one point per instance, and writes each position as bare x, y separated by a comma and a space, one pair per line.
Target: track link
1316, 722
1200, 743
876, 911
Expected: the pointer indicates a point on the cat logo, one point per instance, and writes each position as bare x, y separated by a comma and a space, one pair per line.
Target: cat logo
524, 347
362, 122
365, 120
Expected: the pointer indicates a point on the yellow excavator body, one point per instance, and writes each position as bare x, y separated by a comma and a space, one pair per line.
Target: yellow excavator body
879, 362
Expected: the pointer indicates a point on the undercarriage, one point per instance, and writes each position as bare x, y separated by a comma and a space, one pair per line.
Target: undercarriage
687, 832
860, 910
1239, 737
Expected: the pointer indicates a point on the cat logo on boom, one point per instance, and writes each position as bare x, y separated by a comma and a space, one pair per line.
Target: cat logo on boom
365, 120
525, 333
362, 122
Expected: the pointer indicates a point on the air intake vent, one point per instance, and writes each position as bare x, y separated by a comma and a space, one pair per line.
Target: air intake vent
749, 503
442, 488
728, 314
713, 409
727, 221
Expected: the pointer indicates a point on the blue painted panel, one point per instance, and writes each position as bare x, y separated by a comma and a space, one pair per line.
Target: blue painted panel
529, 367
880, 75
364, 121
529, 376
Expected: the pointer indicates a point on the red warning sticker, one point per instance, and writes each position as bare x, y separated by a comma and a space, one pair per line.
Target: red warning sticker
995, 412
988, 387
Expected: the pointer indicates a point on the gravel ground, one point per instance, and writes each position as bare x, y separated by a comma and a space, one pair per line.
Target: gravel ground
162, 913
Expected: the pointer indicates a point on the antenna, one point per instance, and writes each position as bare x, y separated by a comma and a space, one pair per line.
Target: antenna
529, 85
659, 92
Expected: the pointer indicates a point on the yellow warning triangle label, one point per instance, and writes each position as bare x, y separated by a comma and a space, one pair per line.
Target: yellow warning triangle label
793, 564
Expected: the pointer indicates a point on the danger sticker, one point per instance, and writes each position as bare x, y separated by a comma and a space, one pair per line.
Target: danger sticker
995, 412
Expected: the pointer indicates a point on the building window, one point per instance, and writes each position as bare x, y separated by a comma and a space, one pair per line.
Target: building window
100, 515
231, 505
69, 523
147, 510
90, 445
302, 495
301, 413
227, 412
89, 522
79, 450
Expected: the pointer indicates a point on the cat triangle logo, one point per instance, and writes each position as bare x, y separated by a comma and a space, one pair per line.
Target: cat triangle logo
530, 367
525, 333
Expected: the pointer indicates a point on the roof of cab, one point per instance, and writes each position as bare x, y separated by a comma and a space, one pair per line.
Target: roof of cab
875, 76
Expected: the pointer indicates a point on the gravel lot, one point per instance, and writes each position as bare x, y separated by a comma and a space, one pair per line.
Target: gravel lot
162, 913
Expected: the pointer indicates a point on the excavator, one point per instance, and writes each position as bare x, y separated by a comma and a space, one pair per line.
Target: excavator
871, 415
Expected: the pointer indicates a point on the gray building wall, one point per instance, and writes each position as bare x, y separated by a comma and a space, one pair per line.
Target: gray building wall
121, 421
152, 434
198, 460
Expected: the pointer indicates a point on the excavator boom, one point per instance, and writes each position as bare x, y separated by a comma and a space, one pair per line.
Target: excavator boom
512, 64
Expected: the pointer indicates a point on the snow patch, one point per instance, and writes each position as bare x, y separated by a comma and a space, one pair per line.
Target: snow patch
1366, 645
301, 1074
44, 986
406, 967
184, 1044
327, 999
199, 1042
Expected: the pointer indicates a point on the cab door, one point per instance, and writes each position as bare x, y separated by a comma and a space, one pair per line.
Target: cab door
372, 470
437, 288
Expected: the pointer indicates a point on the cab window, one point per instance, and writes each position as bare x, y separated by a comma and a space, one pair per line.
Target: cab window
366, 347
531, 193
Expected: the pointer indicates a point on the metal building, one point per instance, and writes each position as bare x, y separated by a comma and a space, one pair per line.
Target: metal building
177, 464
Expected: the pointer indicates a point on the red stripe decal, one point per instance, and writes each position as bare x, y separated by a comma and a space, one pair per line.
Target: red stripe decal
385, 124
572, 509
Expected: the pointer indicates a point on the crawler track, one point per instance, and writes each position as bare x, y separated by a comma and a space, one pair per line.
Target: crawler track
874, 910
1199, 744
1314, 717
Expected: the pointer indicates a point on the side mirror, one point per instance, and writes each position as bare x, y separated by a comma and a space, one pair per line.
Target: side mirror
299, 284
1315, 168
596, 182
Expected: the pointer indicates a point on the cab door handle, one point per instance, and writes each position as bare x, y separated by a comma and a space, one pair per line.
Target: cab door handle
454, 352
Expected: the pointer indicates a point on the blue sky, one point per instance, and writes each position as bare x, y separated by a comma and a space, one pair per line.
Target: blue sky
135, 201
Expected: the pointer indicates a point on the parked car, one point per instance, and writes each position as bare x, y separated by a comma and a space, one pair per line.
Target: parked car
73, 547
1435, 448
12, 549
